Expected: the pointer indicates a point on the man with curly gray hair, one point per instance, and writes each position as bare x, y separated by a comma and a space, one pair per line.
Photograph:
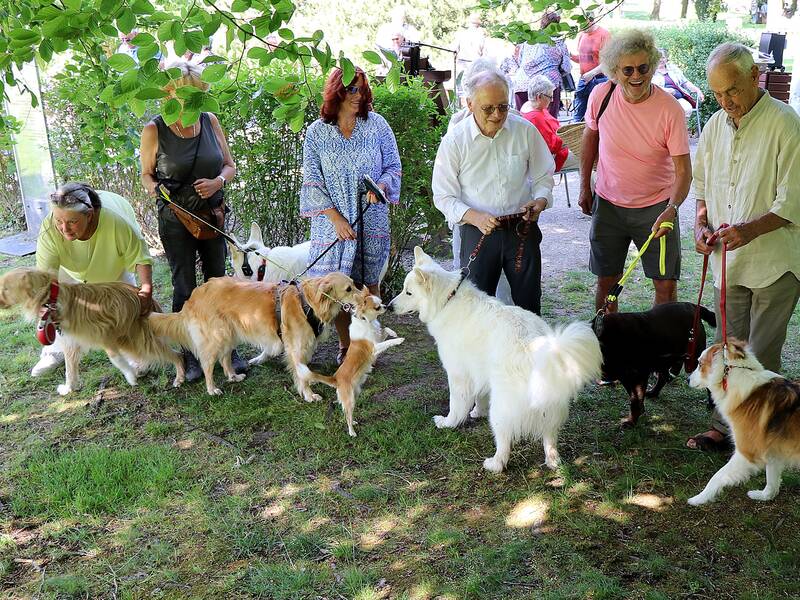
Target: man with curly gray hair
638, 133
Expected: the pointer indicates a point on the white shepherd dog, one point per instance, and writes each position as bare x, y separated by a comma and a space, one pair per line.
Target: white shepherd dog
504, 360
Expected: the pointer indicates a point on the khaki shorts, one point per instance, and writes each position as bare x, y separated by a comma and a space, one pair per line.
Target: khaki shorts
614, 228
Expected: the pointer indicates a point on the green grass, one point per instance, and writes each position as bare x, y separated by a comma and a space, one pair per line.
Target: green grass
162, 493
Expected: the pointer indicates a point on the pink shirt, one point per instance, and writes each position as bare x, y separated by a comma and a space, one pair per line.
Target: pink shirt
637, 143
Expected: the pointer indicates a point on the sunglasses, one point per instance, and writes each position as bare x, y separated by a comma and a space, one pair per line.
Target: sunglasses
352, 89
61, 200
489, 110
628, 71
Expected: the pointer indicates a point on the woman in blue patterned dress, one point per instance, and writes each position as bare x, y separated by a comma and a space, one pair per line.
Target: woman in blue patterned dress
346, 143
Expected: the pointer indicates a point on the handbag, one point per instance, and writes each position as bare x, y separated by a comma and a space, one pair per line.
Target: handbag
567, 82
190, 209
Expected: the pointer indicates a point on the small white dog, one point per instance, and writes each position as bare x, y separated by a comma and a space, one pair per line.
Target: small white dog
763, 410
502, 359
280, 262
368, 339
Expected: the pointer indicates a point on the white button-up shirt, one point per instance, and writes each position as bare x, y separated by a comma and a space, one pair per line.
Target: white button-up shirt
742, 174
496, 175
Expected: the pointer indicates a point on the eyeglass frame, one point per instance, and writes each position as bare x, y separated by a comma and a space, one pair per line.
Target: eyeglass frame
352, 90
60, 200
488, 111
628, 70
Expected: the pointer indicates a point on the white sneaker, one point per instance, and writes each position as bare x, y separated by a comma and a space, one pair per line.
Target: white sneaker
47, 363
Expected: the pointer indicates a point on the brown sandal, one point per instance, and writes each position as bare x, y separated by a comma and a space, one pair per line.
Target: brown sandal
706, 443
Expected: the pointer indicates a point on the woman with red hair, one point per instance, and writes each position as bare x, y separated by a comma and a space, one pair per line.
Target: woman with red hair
346, 143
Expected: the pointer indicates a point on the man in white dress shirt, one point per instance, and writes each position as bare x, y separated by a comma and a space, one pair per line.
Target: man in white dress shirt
493, 176
747, 178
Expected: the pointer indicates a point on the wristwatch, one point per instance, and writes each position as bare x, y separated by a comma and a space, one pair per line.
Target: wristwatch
223, 180
673, 205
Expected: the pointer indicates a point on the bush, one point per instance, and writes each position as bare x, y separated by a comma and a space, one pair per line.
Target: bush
689, 47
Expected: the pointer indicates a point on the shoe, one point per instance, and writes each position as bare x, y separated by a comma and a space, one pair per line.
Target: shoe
47, 363
340, 356
193, 370
606, 383
239, 364
706, 443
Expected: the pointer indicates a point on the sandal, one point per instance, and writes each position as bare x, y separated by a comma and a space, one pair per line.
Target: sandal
340, 356
706, 443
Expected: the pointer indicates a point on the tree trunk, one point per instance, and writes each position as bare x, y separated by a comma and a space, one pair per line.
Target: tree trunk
684, 8
655, 14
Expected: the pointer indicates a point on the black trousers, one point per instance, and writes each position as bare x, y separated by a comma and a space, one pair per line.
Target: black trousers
182, 250
498, 254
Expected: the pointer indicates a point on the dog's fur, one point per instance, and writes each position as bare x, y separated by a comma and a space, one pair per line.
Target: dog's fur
763, 411
367, 340
92, 315
505, 360
636, 345
282, 262
225, 311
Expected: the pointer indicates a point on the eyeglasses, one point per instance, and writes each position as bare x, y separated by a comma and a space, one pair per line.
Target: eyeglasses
548, 96
489, 110
628, 71
352, 89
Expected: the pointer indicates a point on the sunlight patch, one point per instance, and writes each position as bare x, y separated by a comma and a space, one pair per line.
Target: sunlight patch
237, 489
273, 511
663, 427
370, 541
184, 444
607, 511
60, 406
531, 512
315, 523
422, 591
650, 501
10, 418
581, 488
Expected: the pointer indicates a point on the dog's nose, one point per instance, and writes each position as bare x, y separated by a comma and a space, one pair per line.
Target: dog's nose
389, 307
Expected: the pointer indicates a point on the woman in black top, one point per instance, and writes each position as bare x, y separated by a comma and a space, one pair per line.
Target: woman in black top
198, 157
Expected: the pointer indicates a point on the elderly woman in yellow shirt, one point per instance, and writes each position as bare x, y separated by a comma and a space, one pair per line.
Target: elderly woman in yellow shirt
91, 237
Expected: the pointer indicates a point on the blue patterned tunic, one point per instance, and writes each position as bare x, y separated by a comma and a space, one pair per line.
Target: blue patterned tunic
333, 170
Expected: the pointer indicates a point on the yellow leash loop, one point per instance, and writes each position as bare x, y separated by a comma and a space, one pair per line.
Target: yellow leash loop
613, 295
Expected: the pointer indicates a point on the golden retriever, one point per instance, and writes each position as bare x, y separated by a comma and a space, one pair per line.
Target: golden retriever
367, 340
763, 410
91, 315
226, 311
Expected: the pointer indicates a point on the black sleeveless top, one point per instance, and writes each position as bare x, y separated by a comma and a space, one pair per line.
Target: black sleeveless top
174, 161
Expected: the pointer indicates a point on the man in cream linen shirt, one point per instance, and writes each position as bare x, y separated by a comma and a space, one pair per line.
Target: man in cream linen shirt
747, 174
491, 165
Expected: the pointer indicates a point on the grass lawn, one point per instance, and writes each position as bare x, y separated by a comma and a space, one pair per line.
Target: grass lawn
149, 492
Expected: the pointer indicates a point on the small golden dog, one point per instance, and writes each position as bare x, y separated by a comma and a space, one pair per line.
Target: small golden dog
226, 311
367, 341
92, 315
763, 410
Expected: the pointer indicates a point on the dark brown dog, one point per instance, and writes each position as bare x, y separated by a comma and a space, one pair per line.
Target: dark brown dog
636, 345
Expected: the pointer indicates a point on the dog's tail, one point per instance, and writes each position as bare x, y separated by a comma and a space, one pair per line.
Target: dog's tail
563, 362
171, 327
310, 376
708, 316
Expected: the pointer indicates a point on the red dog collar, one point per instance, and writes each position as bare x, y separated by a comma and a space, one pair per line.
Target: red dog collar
47, 327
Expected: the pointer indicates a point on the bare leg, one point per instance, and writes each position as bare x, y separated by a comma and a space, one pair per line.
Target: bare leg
666, 290
604, 284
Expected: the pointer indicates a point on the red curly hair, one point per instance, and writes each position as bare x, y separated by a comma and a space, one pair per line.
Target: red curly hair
334, 94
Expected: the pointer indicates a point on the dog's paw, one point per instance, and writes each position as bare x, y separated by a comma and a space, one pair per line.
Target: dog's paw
215, 392
131, 379
493, 465
477, 412
257, 360
178, 382
389, 332
697, 500
441, 422
312, 397
760, 495
553, 462
237, 377
352, 432
64, 389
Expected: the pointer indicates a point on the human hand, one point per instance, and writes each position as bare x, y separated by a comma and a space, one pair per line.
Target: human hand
343, 229
700, 96
670, 215
585, 200
737, 235
372, 198
587, 77
145, 302
206, 188
483, 221
702, 243
533, 209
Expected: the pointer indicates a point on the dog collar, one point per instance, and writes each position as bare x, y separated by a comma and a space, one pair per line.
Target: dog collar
48, 324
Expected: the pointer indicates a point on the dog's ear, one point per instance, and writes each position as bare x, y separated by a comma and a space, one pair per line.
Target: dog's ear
420, 258
423, 278
255, 233
736, 349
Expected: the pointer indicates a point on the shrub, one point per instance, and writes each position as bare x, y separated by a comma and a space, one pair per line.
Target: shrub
689, 47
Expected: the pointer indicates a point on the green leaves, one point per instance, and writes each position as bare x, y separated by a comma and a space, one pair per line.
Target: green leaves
372, 57
121, 62
213, 73
348, 70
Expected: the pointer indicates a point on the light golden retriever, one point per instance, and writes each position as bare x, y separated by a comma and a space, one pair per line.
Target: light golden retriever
226, 311
91, 315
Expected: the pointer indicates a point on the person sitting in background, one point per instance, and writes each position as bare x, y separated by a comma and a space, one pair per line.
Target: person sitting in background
540, 94
91, 237
670, 78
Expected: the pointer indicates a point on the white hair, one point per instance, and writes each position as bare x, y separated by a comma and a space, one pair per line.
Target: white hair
731, 53
540, 85
485, 78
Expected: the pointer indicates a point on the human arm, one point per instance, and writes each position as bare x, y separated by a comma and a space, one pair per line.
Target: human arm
680, 188
590, 143
592, 73
145, 274
206, 188
148, 146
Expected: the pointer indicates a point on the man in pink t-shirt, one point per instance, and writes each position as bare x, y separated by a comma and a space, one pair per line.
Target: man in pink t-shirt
643, 171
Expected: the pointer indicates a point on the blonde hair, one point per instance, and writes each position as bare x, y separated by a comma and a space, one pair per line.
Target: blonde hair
190, 75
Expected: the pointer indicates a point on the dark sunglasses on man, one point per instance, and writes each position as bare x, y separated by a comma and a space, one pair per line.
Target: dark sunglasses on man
628, 71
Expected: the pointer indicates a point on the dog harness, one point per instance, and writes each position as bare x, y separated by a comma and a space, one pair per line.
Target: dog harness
48, 324
311, 318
